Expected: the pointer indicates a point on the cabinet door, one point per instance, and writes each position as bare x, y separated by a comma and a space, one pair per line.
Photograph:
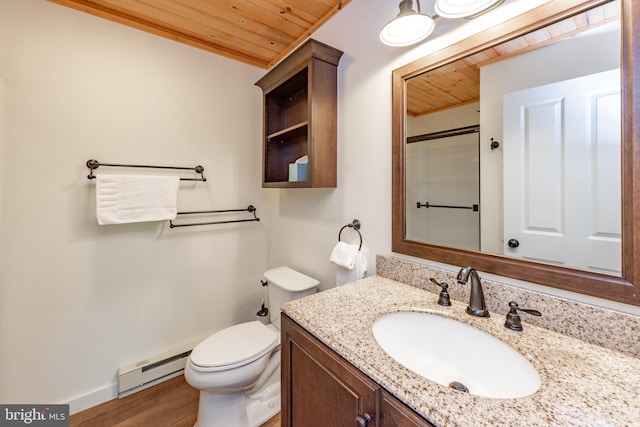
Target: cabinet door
394, 413
319, 388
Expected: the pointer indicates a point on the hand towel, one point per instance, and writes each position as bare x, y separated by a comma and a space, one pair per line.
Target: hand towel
344, 275
344, 255
124, 199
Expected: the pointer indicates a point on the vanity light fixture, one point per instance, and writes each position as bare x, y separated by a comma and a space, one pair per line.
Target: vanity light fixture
408, 27
453, 9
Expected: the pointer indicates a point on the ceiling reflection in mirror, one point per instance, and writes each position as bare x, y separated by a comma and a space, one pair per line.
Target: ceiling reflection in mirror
515, 150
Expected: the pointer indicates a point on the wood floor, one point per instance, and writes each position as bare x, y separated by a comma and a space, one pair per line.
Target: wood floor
173, 403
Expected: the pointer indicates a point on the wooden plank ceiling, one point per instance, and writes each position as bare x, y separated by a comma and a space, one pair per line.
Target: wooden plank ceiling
257, 32
458, 83
262, 32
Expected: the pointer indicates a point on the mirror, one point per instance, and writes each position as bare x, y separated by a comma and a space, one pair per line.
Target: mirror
550, 192
452, 135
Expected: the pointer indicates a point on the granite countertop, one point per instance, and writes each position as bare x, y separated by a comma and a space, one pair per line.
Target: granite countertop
582, 384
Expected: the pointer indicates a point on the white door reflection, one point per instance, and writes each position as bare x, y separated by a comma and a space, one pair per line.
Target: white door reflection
561, 161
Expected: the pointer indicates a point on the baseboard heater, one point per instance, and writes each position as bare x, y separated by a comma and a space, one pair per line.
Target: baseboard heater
149, 372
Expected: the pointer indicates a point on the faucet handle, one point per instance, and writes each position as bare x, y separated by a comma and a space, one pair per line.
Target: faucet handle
443, 298
513, 321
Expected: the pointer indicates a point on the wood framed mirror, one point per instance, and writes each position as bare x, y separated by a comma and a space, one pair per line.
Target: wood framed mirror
622, 287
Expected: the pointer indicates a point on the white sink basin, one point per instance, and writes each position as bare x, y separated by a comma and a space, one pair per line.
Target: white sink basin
447, 352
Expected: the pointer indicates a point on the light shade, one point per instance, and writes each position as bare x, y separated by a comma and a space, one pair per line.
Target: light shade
408, 27
453, 9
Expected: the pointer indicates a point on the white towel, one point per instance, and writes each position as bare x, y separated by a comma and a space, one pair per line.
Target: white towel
123, 199
351, 263
344, 275
344, 255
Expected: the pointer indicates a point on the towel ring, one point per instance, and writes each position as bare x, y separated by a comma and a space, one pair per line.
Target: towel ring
355, 224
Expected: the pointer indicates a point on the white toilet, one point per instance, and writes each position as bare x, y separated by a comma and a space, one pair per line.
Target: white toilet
237, 369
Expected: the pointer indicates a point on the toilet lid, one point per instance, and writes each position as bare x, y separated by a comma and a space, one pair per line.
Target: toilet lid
234, 346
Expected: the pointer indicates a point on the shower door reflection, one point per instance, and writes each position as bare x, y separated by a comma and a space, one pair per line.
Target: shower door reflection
443, 188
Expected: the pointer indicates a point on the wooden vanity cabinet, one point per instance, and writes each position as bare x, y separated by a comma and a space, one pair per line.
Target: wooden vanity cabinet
300, 117
321, 389
394, 413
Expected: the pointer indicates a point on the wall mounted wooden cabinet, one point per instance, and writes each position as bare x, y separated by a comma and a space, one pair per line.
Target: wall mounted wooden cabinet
300, 118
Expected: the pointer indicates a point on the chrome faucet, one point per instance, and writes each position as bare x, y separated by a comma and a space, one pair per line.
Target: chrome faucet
477, 306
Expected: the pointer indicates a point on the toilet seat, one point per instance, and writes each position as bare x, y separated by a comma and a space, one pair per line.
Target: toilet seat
233, 347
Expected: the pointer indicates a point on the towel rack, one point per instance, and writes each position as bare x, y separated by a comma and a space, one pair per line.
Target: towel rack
94, 164
428, 205
355, 224
250, 209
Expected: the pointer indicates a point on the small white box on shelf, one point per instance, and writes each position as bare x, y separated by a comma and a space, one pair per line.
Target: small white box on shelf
299, 171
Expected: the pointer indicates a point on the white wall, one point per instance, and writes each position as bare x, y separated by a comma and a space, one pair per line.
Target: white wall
451, 118
78, 300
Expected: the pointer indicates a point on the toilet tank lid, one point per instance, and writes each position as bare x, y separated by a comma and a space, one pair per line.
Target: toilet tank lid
290, 280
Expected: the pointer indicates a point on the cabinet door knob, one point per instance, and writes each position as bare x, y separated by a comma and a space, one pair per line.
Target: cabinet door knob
513, 243
363, 420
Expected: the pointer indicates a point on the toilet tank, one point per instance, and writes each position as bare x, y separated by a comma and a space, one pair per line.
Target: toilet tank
284, 285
